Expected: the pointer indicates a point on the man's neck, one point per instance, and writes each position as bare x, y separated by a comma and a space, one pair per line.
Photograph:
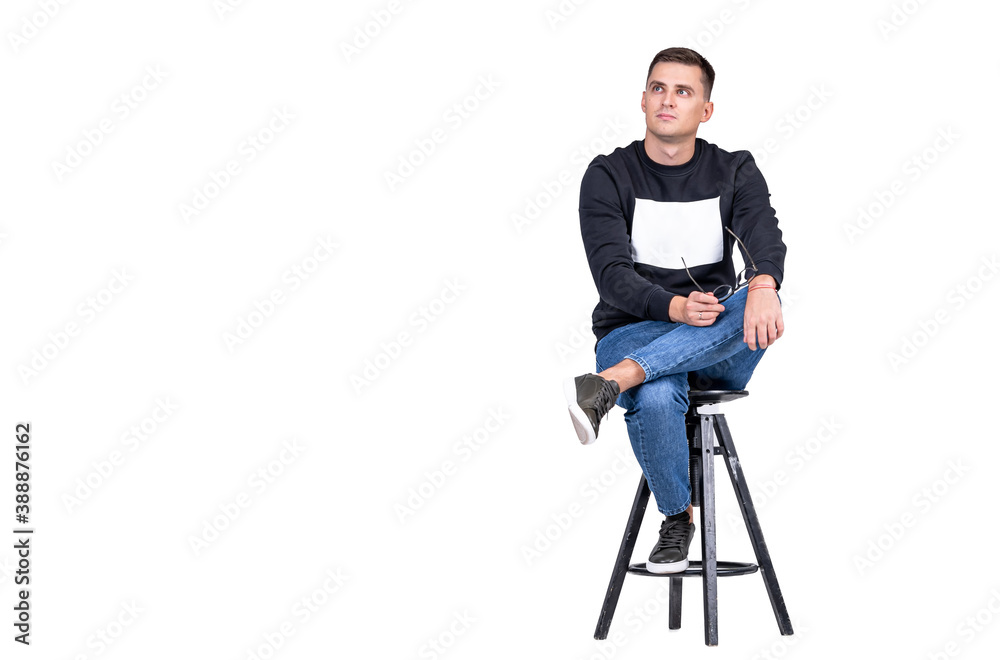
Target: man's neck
669, 153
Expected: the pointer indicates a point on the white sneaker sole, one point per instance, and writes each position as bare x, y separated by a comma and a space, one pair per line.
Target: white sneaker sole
673, 567
581, 422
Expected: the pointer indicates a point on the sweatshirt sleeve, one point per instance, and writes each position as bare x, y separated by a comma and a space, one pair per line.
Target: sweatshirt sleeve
755, 222
606, 240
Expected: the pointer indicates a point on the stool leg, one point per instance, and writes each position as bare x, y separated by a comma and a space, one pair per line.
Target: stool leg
694, 467
753, 526
624, 556
676, 587
709, 565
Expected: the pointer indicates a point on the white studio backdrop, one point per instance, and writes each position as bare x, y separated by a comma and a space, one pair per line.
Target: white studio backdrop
290, 290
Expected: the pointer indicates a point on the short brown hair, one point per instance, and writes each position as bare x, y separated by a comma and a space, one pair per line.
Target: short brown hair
690, 57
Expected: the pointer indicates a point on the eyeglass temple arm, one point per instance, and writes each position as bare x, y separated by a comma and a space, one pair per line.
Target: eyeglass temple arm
745, 251
692, 276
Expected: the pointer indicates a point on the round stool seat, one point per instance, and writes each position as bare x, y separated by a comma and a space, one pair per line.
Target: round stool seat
708, 397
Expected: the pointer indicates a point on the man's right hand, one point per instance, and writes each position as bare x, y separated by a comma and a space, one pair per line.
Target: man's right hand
697, 304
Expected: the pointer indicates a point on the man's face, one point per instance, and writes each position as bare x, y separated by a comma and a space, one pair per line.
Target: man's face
674, 102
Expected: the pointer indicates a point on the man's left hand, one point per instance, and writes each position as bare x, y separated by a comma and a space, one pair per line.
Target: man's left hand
762, 322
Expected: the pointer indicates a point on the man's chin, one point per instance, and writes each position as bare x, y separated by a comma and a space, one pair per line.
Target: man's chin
668, 138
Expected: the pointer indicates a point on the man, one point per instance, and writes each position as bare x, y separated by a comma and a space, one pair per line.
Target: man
659, 220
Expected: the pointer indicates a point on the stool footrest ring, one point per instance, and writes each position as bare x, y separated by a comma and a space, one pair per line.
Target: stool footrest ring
725, 569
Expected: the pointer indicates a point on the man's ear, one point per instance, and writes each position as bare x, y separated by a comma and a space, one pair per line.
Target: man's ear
642, 104
709, 109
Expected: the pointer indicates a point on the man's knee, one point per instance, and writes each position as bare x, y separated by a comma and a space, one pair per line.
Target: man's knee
668, 393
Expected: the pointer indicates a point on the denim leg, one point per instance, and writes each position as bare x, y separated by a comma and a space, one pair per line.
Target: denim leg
733, 373
654, 417
655, 421
675, 357
684, 348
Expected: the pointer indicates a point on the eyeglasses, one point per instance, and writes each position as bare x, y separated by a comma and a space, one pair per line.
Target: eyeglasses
724, 291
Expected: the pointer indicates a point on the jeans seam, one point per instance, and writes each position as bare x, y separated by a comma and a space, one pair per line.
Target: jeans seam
645, 458
641, 362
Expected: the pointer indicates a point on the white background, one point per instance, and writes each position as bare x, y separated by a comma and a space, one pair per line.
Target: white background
457, 568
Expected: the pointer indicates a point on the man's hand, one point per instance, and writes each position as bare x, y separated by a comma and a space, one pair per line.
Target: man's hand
700, 309
762, 322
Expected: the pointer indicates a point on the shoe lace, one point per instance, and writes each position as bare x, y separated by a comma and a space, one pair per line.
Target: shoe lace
673, 534
604, 401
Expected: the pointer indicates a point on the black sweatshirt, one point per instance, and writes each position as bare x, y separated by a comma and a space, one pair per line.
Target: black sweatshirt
639, 218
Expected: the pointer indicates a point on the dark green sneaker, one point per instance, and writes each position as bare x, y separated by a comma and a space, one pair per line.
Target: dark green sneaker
671, 552
590, 397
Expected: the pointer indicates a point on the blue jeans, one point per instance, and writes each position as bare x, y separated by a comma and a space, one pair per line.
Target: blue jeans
674, 357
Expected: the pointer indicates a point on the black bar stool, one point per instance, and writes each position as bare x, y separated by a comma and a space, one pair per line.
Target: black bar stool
704, 425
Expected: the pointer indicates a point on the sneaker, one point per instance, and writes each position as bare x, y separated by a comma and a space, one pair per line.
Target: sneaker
590, 398
671, 552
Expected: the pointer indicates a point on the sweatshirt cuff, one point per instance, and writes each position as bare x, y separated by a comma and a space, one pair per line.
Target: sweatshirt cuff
658, 305
770, 268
